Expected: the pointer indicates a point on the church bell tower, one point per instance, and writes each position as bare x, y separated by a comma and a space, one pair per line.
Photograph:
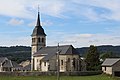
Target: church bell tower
38, 39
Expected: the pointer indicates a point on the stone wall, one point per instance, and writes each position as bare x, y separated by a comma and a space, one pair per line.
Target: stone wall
87, 73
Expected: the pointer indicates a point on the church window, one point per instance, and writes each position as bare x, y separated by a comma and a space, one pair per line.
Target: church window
74, 62
42, 39
68, 59
40, 62
33, 39
61, 62
37, 60
38, 39
33, 63
44, 63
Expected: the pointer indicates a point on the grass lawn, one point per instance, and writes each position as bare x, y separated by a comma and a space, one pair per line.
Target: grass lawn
96, 77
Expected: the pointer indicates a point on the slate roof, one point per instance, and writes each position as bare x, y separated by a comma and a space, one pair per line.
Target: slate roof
38, 30
2, 59
28, 67
49, 52
14, 64
7, 63
110, 61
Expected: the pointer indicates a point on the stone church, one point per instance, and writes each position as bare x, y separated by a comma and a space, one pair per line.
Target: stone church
44, 58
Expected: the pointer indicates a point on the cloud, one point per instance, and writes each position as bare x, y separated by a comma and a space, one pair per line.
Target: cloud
83, 40
8, 41
45, 23
15, 8
27, 8
83, 35
16, 22
32, 24
83, 10
77, 40
55, 8
101, 9
91, 15
95, 10
96, 39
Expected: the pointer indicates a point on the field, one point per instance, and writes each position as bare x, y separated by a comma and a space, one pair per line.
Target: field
97, 77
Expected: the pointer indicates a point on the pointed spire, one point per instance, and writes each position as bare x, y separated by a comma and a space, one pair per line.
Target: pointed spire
38, 19
38, 30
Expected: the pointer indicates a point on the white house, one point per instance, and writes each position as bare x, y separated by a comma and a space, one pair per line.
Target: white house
111, 66
8, 65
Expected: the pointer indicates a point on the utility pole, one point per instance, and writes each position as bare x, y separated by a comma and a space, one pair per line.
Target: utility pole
58, 63
32, 62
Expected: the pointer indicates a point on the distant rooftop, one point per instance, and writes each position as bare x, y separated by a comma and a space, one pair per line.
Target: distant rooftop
110, 61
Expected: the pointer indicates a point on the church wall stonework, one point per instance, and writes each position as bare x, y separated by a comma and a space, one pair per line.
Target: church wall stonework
37, 63
53, 64
68, 63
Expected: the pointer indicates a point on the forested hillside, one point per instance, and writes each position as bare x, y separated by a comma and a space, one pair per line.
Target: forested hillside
114, 50
21, 53
16, 53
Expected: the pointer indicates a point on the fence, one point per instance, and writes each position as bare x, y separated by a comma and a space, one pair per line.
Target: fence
50, 73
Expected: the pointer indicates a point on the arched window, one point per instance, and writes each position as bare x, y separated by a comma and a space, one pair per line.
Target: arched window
44, 63
33, 39
68, 59
74, 62
61, 62
43, 39
38, 39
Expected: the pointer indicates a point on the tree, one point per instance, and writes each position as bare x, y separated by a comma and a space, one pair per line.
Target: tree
92, 59
106, 55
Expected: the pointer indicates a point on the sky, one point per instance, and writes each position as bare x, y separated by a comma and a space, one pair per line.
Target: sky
80, 23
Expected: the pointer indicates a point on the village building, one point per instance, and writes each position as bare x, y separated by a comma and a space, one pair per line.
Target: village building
8, 65
44, 58
27, 68
25, 63
111, 66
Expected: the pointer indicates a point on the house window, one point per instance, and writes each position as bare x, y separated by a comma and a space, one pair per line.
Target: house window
105, 68
61, 62
44, 63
